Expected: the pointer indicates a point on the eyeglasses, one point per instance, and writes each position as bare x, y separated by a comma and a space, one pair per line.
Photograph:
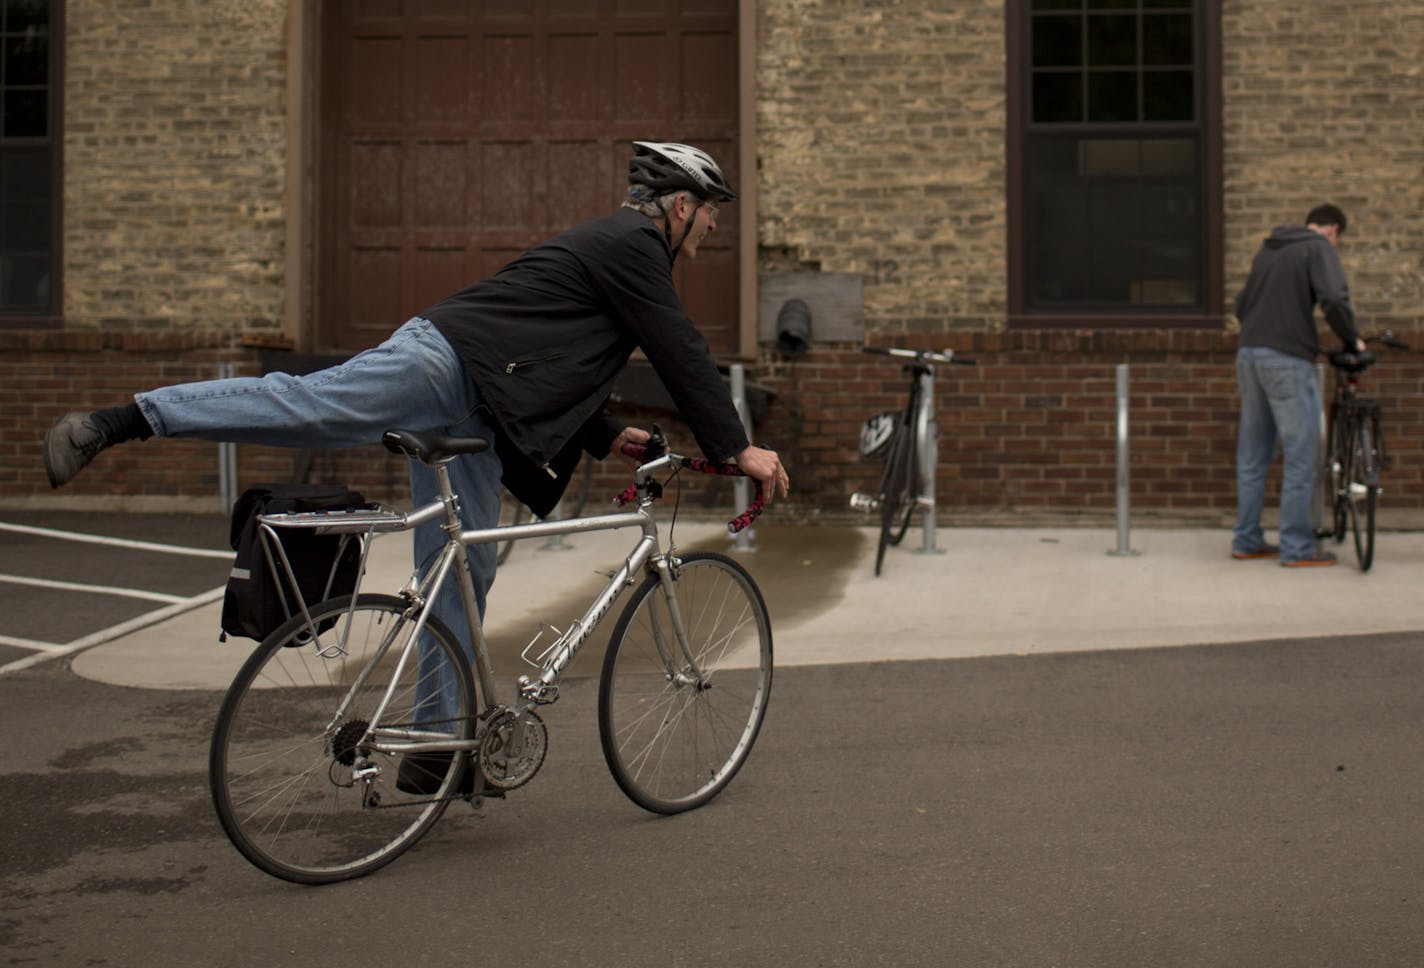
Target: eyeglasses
712, 210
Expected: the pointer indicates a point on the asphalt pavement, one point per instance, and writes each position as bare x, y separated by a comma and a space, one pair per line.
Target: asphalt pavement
1023, 749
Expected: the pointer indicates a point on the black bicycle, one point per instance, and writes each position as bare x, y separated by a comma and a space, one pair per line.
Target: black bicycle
1354, 452
905, 439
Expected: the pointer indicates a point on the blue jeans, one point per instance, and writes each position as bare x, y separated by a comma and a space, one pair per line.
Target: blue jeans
412, 381
1280, 400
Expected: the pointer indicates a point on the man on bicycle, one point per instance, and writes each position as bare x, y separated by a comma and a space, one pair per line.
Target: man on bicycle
1296, 268
526, 359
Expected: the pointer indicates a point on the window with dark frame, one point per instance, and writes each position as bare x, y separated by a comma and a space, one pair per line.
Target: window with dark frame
1113, 197
28, 202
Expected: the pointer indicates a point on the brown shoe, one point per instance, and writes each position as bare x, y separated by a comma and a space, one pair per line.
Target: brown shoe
1265, 551
1317, 560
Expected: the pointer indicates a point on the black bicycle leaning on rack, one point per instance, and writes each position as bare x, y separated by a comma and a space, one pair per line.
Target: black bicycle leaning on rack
907, 440
1354, 452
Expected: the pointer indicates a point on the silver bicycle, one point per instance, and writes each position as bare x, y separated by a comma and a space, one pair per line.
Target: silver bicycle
355, 724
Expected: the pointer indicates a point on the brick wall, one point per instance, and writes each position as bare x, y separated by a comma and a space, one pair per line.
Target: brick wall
880, 132
1324, 100
174, 147
881, 148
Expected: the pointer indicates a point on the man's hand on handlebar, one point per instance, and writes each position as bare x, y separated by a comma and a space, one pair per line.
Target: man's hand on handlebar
764, 466
629, 435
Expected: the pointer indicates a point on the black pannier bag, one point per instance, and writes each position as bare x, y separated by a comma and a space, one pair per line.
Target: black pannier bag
255, 604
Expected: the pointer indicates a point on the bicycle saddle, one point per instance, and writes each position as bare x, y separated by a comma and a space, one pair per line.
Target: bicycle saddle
431, 448
1352, 362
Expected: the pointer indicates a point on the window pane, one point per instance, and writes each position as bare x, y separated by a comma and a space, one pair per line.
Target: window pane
25, 225
25, 114
1057, 4
26, 60
23, 15
1167, 96
1112, 40
1058, 98
1057, 41
24, 281
24, 173
1167, 39
1112, 96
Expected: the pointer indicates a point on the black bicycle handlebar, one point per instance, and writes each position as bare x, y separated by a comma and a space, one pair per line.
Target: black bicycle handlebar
921, 356
1387, 339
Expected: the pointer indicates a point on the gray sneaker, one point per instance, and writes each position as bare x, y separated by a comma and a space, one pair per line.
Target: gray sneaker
71, 444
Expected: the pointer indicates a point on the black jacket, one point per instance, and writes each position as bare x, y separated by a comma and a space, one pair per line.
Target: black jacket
1295, 269
544, 339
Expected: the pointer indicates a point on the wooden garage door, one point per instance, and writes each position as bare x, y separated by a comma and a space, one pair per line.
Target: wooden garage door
457, 133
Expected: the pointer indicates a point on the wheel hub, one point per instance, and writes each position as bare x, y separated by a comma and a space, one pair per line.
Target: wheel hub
346, 742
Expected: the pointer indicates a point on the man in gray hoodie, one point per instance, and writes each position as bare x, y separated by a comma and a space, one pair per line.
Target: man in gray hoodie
1296, 268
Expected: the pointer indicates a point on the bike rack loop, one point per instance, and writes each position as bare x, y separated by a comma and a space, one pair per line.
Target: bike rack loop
227, 455
741, 486
927, 430
1124, 466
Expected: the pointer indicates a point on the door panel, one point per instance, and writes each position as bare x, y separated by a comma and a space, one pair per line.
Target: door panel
457, 133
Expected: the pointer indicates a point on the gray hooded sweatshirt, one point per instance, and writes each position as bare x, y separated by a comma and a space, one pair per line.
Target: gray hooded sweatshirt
1295, 269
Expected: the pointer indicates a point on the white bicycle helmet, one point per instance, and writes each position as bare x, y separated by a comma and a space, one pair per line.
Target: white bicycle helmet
876, 432
666, 166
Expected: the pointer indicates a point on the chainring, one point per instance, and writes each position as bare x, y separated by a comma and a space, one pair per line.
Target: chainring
500, 765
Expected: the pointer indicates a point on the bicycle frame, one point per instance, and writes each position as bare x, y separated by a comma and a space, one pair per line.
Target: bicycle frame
543, 688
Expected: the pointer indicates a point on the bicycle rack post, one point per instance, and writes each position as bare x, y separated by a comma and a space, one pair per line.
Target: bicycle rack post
929, 460
741, 487
227, 455
557, 542
1124, 463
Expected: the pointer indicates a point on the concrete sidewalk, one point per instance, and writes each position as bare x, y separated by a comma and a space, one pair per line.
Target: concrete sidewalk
988, 591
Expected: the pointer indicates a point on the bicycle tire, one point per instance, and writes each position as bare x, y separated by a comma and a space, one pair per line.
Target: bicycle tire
1330, 467
670, 742
1363, 488
280, 767
905, 506
895, 510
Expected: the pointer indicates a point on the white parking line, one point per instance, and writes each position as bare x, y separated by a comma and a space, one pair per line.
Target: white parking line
173, 604
114, 542
114, 631
72, 586
30, 644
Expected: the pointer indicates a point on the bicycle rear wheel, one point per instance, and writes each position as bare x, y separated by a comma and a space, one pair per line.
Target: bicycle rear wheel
1362, 490
285, 751
676, 729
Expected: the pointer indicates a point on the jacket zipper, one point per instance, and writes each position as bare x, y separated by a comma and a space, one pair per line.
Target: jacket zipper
516, 364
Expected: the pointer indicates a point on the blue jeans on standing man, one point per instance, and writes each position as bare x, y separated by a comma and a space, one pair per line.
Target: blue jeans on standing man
1280, 401
412, 381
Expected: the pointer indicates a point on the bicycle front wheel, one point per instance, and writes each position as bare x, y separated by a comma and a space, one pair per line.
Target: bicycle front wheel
678, 723
1332, 488
897, 492
1363, 489
298, 786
